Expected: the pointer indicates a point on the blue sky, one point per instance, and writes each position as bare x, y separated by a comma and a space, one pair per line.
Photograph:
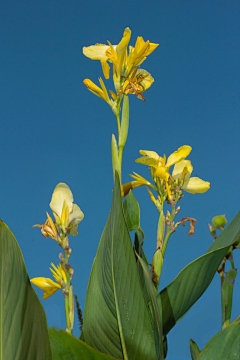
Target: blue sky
54, 130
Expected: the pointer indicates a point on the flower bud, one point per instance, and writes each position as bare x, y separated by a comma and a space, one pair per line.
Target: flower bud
219, 221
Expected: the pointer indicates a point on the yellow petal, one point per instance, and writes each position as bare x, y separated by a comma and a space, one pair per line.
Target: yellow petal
105, 68
75, 217
195, 185
162, 173
48, 293
178, 155
183, 165
121, 50
60, 194
96, 52
45, 283
151, 158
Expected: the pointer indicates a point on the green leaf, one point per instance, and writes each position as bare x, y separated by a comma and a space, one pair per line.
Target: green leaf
225, 345
117, 320
155, 311
23, 325
227, 284
194, 350
131, 212
67, 347
189, 285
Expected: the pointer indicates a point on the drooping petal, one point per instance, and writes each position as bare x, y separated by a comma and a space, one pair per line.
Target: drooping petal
49, 292
182, 166
195, 185
105, 68
178, 155
60, 194
75, 217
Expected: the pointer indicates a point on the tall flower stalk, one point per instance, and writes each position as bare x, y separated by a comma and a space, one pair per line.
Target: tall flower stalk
169, 189
67, 217
128, 78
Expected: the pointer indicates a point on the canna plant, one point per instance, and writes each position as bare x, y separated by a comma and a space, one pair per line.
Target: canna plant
125, 314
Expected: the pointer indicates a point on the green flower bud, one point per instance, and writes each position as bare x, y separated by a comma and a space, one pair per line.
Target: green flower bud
219, 221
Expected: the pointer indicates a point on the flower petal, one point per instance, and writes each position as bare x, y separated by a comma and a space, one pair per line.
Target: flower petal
45, 283
179, 167
96, 52
60, 194
121, 50
75, 217
195, 185
178, 155
151, 158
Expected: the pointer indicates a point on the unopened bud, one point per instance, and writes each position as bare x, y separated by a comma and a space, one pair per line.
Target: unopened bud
172, 203
168, 215
212, 231
61, 257
219, 221
177, 210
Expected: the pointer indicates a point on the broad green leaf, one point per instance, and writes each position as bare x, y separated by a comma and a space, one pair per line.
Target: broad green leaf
189, 285
117, 320
225, 345
23, 325
131, 212
155, 311
67, 347
194, 350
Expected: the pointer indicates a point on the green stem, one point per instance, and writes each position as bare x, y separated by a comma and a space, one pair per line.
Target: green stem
118, 124
69, 304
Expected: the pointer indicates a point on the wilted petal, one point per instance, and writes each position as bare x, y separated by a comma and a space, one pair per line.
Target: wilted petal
182, 166
195, 185
60, 194
178, 155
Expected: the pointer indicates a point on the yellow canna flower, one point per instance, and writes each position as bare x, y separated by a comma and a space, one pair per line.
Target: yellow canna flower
139, 53
48, 285
115, 54
123, 64
67, 214
137, 82
181, 173
159, 163
102, 93
140, 181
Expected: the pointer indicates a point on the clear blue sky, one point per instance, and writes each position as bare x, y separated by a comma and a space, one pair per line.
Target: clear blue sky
54, 130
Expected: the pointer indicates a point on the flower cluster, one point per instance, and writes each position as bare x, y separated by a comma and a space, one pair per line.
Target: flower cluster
168, 185
128, 78
67, 217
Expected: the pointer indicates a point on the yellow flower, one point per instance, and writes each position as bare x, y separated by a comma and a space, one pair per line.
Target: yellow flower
139, 53
138, 81
140, 181
67, 214
48, 285
48, 229
159, 163
102, 93
115, 54
181, 173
